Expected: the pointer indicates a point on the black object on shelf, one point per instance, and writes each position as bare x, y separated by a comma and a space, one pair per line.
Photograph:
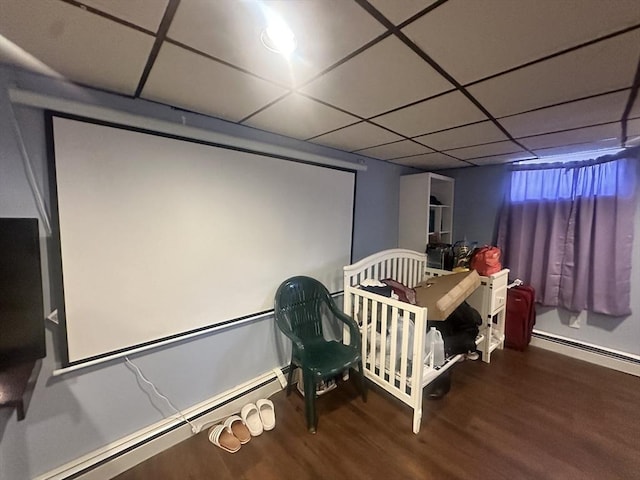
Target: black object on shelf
439, 255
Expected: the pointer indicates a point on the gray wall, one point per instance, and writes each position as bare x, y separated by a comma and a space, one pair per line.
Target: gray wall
479, 192
79, 412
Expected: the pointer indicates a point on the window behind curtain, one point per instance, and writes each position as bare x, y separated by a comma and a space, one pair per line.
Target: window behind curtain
568, 231
570, 182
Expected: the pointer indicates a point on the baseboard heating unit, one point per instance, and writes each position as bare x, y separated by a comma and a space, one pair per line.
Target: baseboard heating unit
605, 357
120, 455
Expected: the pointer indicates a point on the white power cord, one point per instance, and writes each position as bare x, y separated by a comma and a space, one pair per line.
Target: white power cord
194, 428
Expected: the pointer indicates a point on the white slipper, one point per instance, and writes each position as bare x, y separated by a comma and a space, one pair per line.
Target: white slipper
251, 418
237, 427
222, 437
267, 413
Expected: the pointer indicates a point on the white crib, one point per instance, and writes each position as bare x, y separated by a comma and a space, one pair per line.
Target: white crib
388, 359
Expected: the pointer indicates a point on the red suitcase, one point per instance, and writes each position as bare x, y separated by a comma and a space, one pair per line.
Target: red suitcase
520, 316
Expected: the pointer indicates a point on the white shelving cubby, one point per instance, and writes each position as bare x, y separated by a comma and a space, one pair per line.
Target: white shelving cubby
426, 211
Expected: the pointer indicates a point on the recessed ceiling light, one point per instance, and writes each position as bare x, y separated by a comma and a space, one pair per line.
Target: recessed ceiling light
278, 37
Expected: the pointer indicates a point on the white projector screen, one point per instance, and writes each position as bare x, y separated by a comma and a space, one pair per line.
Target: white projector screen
161, 237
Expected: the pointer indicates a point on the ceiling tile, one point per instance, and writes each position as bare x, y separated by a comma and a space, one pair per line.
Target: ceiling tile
325, 30
300, 117
598, 68
77, 44
361, 85
143, 13
397, 12
403, 148
356, 137
191, 81
486, 150
583, 113
445, 111
505, 158
472, 40
581, 135
474, 134
234, 77
430, 161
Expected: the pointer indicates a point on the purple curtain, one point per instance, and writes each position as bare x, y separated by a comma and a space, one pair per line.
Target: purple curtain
568, 231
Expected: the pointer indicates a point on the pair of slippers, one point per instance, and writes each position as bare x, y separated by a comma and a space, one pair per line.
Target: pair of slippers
237, 430
230, 435
259, 416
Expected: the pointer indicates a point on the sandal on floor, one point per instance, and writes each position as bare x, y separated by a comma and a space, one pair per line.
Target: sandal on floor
237, 427
251, 418
222, 437
267, 413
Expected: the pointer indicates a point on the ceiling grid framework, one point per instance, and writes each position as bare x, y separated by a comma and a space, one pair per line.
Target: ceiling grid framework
422, 83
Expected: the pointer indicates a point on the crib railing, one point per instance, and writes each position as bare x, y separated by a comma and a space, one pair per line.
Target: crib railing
404, 266
393, 332
393, 335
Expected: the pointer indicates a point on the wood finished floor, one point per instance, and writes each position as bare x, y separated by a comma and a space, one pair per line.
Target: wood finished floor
531, 415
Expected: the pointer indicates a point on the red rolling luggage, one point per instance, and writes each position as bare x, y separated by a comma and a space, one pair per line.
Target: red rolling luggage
520, 316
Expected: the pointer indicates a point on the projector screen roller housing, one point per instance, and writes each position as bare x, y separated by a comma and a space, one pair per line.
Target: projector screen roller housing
160, 236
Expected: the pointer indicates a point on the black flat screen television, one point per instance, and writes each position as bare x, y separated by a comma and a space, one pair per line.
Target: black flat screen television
21, 303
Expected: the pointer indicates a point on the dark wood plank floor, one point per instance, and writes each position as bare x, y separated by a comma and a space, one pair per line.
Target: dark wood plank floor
532, 415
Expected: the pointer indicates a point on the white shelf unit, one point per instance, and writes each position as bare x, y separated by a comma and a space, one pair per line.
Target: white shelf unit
490, 299
426, 211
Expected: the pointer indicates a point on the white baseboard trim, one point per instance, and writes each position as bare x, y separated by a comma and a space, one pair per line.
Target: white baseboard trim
119, 456
605, 357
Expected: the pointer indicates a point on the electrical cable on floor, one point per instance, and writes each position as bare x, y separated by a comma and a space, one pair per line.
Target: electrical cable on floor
194, 428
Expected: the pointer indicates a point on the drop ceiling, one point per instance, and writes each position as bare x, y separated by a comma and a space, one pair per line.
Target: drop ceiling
422, 83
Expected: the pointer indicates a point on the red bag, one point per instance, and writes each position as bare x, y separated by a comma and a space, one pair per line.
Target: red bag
486, 260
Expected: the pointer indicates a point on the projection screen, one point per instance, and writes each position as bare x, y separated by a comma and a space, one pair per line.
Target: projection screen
161, 237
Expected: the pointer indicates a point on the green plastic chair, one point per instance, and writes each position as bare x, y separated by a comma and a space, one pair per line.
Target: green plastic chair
301, 303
